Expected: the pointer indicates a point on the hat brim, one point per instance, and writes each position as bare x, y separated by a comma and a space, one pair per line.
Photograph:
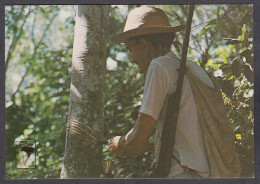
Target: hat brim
144, 31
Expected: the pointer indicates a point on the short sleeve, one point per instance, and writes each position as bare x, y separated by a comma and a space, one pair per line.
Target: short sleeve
155, 90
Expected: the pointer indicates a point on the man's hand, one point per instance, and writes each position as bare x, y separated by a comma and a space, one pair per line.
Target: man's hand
136, 140
114, 146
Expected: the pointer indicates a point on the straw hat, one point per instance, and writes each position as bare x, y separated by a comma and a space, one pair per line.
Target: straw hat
146, 20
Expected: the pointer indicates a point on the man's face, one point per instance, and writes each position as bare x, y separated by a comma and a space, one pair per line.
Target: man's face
139, 53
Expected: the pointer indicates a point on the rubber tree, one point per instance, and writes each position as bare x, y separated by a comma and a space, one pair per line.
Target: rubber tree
85, 125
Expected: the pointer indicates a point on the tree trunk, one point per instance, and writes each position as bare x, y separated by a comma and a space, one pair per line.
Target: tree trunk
85, 124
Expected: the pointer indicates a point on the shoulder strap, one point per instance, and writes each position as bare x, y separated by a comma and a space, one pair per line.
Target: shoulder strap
163, 165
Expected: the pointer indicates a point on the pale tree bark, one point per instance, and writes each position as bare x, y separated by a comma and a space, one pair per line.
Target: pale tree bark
85, 124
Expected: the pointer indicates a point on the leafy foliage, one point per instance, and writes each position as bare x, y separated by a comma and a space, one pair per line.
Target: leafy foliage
38, 65
37, 108
231, 64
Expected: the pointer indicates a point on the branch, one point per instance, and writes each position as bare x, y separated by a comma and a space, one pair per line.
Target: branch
218, 12
32, 32
205, 54
175, 15
177, 46
34, 53
183, 9
194, 48
15, 39
207, 41
197, 40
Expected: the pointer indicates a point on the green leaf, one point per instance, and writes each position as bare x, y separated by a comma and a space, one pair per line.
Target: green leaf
203, 31
209, 26
242, 37
53, 127
225, 60
230, 78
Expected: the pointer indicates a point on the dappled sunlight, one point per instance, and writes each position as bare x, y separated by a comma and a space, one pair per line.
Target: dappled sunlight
39, 42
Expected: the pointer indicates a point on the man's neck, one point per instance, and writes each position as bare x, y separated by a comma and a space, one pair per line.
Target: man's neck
161, 52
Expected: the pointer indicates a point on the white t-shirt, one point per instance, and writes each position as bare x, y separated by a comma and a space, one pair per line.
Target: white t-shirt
161, 81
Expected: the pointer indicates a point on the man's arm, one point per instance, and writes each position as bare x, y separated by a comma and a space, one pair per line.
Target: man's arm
136, 140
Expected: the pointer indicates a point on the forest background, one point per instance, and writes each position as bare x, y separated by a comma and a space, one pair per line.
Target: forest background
38, 54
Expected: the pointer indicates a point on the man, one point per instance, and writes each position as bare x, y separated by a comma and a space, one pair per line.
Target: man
148, 36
